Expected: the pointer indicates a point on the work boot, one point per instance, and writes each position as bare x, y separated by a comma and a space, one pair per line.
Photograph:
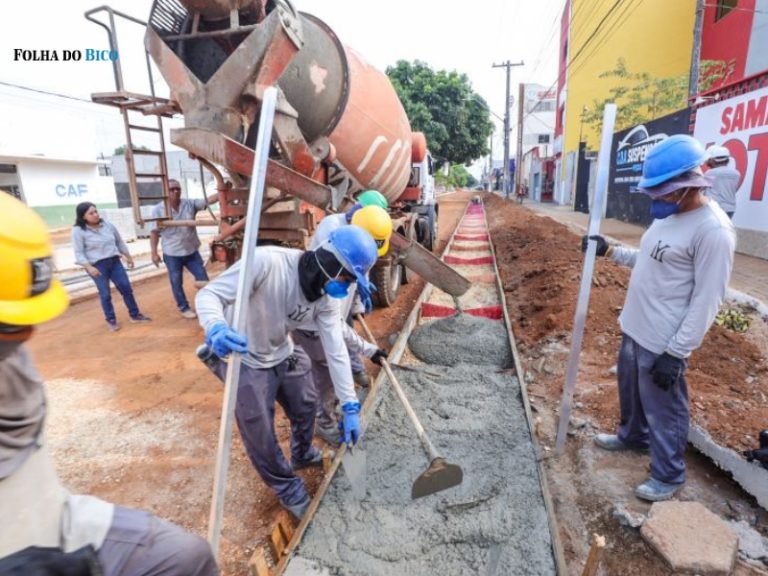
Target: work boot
299, 509
612, 443
113, 326
361, 379
314, 458
140, 319
655, 490
329, 434
189, 314
200, 284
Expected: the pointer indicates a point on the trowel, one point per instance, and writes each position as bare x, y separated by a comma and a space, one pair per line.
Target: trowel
353, 462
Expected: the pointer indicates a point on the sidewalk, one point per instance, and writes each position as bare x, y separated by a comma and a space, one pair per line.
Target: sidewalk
750, 274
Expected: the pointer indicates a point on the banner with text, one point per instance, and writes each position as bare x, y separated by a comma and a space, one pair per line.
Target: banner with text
741, 125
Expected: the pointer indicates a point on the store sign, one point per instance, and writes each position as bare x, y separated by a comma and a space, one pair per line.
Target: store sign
741, 125
71, 190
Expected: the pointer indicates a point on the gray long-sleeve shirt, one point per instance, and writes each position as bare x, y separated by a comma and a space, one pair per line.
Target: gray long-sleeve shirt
679, 278
725, 183
179, 240
94, 244
276, 306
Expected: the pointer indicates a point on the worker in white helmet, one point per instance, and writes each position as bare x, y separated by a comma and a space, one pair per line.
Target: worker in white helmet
725, 179
47, 531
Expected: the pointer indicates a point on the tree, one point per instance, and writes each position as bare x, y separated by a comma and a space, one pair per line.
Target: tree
458, 177
442, 104
639, 97
120, 150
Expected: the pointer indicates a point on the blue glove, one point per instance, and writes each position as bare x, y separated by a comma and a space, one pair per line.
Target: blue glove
350, 422
365, 296
223, 340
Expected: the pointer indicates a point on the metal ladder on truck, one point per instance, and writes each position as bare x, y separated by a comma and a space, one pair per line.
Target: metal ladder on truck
131, 105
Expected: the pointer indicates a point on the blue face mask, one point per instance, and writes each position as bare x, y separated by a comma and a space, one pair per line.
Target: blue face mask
335, 288
661, 209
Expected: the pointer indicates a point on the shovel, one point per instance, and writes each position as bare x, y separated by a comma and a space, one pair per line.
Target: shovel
440, 475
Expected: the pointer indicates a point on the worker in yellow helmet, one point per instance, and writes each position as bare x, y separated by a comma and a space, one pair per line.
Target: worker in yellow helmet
44, 525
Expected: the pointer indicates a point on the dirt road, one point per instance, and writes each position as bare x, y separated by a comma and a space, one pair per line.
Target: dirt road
134, 415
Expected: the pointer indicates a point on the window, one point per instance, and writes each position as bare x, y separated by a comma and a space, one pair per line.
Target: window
105, 170
543, 138
724, 7
7, 168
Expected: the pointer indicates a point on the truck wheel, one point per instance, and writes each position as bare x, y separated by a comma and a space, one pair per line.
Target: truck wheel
388, 277
431, 240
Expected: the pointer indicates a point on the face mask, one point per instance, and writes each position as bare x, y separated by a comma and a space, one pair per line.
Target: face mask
335, 288
661, 209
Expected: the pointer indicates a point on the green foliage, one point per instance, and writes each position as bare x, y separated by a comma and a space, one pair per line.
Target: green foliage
458, 177
443, 105
120, 150
640, 97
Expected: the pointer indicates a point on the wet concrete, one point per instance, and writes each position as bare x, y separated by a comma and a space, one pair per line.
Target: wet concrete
494, 523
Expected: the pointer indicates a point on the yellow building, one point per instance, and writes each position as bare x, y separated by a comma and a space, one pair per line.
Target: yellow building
652, 36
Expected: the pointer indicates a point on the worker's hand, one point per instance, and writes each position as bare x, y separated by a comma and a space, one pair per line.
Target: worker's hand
358, 308
223, 340
92, 270
129, 261
666, 371
379, 355
156, 259
603, 248
365, 298
350, 422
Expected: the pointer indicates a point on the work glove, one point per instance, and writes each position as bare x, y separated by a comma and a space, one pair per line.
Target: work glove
603, 248
223, 340
365, 296
350, 422
379, 355
666, 371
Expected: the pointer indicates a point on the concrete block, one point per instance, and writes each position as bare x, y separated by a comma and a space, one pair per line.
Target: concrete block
691, 539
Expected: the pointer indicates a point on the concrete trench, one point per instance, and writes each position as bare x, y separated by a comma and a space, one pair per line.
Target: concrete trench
470, 403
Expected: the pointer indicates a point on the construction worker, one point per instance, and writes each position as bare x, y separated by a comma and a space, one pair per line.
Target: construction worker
98, 247
679, 277
180, 243
725, 180
290, 290
67, 530
330, 223
378, 224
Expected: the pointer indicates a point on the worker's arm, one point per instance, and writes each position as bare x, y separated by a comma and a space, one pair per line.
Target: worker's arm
329, 327
617, 253
356, 343
154, 241
213, 199
713, 262
624, 255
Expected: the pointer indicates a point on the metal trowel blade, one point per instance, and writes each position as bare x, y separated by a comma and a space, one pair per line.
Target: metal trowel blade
353, 462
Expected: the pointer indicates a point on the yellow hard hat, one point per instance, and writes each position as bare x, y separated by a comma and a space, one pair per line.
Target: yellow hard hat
377, 223
28, 293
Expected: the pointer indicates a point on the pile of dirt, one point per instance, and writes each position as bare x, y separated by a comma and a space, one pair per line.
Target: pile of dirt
540, 262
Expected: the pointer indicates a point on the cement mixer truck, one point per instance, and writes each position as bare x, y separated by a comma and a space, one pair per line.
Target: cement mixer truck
339, 128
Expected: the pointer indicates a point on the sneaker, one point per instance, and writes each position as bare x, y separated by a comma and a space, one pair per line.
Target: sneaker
329, 434
299, 509
361, 379
200, 284
655, 490
141, 319
315, 459
113, 326
612, 443
189, 314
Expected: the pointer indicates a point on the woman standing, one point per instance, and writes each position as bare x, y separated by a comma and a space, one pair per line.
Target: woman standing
98, 247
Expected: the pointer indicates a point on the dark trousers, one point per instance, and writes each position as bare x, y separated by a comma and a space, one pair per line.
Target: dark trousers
290, 384
176, 264
321, 377
652, 417
111, 269
140, 544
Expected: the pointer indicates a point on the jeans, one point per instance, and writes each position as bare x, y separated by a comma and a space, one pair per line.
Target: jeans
650, 416
112, 269
176, 264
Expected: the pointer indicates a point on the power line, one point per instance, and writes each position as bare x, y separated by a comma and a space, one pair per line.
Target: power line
20, 87
545, 46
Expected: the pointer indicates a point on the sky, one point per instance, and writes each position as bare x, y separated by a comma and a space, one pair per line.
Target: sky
469, 40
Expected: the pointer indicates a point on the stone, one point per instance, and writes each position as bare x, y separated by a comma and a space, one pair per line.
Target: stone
751, 543
627, 518
690, 538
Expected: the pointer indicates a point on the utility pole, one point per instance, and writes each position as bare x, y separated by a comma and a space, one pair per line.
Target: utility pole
520, 121
490, 163
693, 79
508, 65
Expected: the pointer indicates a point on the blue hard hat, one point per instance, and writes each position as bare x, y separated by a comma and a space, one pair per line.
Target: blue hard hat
672, 157
356, 250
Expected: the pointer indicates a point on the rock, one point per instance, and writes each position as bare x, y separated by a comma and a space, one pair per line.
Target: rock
627, 518
751, 543
690, 538
613, 370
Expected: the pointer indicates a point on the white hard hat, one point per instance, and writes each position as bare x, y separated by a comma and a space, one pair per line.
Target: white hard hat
718, 153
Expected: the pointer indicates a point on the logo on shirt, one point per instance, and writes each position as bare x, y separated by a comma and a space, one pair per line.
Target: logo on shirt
658, 251
299, 314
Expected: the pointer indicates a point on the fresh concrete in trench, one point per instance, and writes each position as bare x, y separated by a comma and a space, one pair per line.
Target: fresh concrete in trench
494, 523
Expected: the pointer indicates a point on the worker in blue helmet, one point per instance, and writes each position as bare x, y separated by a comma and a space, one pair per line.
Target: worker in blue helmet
679, 277
290, 290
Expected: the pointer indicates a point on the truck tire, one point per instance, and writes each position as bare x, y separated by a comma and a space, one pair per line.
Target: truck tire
388, 277
432, 238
